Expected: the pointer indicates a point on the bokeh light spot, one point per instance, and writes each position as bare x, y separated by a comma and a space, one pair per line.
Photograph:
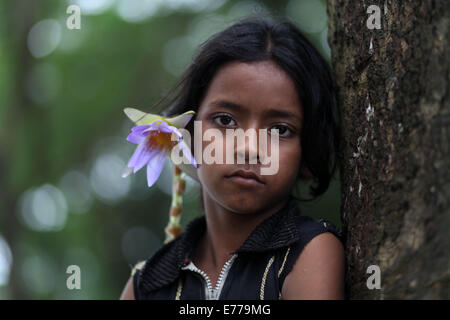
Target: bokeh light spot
44, 37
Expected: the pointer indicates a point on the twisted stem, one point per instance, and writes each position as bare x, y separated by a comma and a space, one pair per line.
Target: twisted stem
173, 228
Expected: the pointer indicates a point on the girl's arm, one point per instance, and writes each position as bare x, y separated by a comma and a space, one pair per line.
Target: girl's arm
318, 272
128, 293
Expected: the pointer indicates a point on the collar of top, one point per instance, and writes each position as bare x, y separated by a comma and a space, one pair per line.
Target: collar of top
277, 231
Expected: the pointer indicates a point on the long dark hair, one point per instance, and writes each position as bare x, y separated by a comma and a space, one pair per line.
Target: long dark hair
263, 38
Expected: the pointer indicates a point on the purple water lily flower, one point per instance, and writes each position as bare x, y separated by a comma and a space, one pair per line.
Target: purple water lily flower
154, 143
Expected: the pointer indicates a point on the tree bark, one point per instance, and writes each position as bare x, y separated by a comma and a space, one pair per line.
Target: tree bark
394, 106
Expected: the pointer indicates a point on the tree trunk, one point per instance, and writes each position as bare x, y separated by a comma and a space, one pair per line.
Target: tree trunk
395, 113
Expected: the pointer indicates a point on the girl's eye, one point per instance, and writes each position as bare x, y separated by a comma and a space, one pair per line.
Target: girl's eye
224, 120
283, 130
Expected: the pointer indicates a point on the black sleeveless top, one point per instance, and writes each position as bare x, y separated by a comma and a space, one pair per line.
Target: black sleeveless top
255, 271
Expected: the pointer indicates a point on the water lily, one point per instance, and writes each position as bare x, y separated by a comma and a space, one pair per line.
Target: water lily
156, 136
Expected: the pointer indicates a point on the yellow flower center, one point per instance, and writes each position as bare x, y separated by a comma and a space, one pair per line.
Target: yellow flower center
159, 140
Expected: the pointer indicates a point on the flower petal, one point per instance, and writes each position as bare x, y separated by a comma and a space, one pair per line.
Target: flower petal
188, 164
190, 170
127, 171
161, 125
176, 131
144, 159
181, 120
158, 124
167, 128
140, 129
135, 138
136, 155
155, 167
140, 117
187, 153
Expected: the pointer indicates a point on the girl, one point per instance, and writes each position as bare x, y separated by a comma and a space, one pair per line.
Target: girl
252, 242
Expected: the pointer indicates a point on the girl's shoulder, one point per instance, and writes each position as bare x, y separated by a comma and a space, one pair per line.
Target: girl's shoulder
309, 227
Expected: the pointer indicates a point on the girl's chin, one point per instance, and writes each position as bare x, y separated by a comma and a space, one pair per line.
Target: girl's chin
241, 204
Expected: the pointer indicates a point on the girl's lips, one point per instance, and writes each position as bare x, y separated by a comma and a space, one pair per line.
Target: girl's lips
245, 178
246, 182
247, 174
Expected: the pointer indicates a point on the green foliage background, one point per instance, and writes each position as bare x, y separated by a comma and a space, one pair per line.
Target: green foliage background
62, 135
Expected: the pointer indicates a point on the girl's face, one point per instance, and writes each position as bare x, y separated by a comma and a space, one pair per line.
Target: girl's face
257, 95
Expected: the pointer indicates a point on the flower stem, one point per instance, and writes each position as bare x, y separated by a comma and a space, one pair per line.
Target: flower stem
173, 228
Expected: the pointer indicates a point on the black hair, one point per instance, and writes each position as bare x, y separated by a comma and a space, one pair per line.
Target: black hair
260, 38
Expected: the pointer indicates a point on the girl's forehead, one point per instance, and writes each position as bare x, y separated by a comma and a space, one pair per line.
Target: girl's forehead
257, 86
254, 75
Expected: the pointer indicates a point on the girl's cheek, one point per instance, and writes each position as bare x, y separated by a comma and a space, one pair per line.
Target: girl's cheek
213, 150
289, 157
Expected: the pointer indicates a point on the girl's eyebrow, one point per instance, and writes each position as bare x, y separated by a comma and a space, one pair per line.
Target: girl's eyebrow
228, 105
275, 113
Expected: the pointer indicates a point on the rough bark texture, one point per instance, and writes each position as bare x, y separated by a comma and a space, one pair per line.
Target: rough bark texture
393, 93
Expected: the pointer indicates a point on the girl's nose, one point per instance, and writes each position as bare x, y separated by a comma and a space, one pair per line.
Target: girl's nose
248, 152
244, 156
